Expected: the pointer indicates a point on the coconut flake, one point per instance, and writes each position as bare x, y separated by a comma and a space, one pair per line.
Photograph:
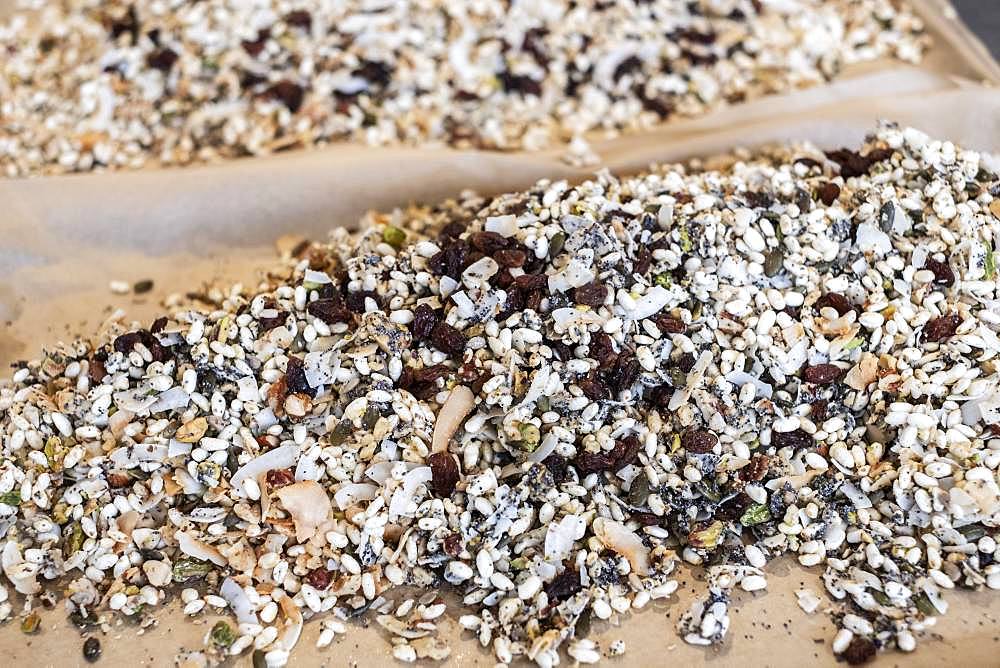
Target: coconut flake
741, 378
350, 493
308, 504
618, 538
561, 536
650, 303
458, 405
405, 493
279, 458
872, 239
199, 549
504, 225
238, 602
172, 399
289, 636
23, 575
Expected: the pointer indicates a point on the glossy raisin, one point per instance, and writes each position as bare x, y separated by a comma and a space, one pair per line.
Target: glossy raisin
837, 302
448, 339
592, 294
330, 311
796, 439
943, 274
828, 192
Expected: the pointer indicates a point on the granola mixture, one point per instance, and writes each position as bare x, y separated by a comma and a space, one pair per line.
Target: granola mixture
104, 85
548, 401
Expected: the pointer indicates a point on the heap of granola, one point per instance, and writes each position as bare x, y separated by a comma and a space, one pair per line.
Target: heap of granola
547, 400
101, 85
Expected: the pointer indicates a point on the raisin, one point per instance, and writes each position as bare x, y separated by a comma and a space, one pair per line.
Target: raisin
288, 92
422, 383
796, 439
943, 275
837, 302
861, 650
267, 324
593, 388
376, 72
822, 374
602, 349
424, 320
319, 578
356, 300
670, 325
117, 480
96, 371
532, 281
453, 545
126, 342
158, 325
941, 328
660, 396
756, 469
627, 66
254, 47
451, 231
91, 649
592, 294
161, 59
510, 257
331, 311
686, 362
853, 163
557, 466
444, 473
818, 410
520, 83
295, 378
448, 339
277, 478
625, 452
643, 258
646, 519
299, 18
451, 260
828, 192
563, 586
698, 441
626, 372
488, 242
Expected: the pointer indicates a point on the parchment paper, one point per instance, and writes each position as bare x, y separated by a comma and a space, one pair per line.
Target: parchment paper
64, 238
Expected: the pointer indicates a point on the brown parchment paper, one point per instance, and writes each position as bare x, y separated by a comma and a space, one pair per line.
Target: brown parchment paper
62, 239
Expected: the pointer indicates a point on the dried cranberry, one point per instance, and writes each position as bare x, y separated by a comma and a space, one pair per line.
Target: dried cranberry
861, 650
670, 325
288, 92
796, 439
563, 586
941, 328
280, 478
592, 294
330, 311
295, 377
943, 275
698, 441
837, 302
161, 59
828, 192
444, 473
822, 374
448, 339
319, 578
488, 242
510, 257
